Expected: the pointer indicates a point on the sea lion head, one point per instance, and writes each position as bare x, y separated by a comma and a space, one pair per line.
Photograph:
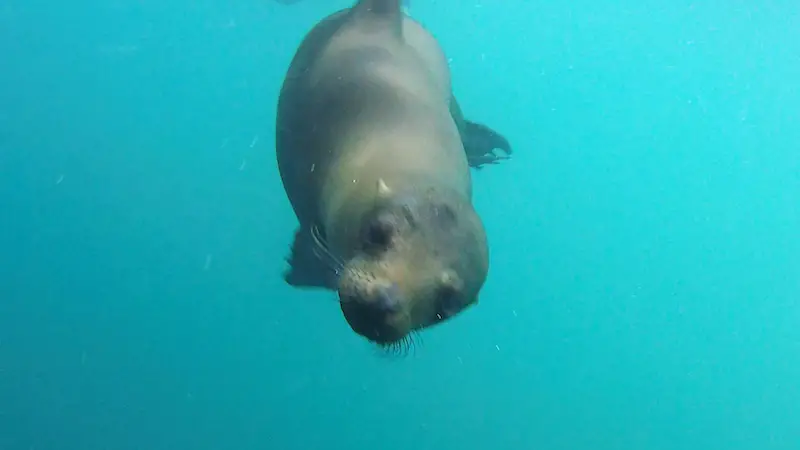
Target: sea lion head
417, 258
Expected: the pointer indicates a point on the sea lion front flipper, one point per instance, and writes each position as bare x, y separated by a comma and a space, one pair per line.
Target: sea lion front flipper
480, 141
306, 268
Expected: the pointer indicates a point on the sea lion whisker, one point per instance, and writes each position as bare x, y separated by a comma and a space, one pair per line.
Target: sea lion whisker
416, 337
326, 258
400, 348
323, 252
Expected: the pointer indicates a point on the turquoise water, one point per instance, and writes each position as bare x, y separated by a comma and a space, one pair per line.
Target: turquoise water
645, 272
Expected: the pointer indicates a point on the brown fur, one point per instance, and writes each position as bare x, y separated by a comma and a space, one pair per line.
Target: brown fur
368, 140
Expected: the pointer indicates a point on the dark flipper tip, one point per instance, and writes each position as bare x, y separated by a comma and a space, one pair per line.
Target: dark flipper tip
481, 143
306, 270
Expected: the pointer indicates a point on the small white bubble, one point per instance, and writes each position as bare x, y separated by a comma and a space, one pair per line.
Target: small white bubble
254, 142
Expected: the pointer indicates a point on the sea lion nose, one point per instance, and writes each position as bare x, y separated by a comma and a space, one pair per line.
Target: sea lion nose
386, 300
370, 315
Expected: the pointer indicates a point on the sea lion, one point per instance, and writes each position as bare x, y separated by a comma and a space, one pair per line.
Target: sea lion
374, 155
405, 3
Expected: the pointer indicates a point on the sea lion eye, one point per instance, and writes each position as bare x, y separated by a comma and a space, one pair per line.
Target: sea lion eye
378, 234
448, 301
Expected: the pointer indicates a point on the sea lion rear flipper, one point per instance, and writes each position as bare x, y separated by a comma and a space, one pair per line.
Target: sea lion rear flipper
480, 141
306, 268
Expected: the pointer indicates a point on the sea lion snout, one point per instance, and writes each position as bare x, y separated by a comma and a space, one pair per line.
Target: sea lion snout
386, 299
374, 312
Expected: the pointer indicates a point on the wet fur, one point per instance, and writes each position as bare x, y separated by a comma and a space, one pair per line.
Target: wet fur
329, 110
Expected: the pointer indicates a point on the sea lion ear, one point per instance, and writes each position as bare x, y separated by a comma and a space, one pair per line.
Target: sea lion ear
384, 191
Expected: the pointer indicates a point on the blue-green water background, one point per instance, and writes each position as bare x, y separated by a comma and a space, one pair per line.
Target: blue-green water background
645, 253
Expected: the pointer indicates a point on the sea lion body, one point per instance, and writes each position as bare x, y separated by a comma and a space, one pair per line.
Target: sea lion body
371, 151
